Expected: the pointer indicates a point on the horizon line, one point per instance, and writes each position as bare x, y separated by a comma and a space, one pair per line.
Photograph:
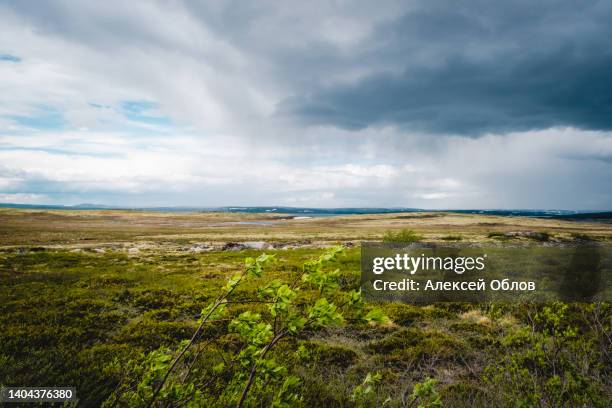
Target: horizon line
93, 206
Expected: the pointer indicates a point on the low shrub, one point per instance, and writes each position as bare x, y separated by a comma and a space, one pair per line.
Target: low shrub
452, 238
404, 236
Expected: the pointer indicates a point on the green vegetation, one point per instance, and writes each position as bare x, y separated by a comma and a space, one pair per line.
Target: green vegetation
452, 238
580, 236
112, 323
552, 363
425, 395
540, 236
108, 323
168, 377
363, 394
404, 236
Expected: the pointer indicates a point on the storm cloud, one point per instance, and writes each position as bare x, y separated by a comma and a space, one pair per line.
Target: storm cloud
478, 67
431, 104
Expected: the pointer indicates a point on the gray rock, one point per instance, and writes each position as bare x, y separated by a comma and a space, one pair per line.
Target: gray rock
200, 248
256, 245
239, 246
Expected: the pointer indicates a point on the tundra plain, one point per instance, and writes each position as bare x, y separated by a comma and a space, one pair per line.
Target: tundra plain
87, 294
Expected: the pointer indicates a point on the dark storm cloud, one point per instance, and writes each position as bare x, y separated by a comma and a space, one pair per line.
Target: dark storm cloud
478, 68
219, 102
435, 66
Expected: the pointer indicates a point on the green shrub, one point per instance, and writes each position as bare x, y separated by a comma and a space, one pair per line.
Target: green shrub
425, 394
253, 373
540, 236
415, 345
364, 394
581, 237
326, 355
452, 238
550, 364
404, 236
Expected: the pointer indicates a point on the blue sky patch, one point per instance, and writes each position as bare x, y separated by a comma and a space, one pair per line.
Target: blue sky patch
143, 111
9, 58
46, 118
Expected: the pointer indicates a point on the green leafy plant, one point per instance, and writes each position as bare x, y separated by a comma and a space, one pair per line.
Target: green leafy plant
363, 393
425, 395
287, 309
549, 363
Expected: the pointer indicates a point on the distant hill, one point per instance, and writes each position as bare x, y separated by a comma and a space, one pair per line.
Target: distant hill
597, 216
322, 212
88, 206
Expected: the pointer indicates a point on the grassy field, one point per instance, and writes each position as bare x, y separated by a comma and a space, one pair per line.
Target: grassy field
86, 296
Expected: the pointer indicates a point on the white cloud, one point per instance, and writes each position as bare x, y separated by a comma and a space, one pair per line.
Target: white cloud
225, 142
22, 198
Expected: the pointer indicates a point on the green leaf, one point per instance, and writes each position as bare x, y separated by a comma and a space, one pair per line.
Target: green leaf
233, 281
217, 313
268, 291
254, 267
218, 368
325, 314
282, 300
295, 324
251, 329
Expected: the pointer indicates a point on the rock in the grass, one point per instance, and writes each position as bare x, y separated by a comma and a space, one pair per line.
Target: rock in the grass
99, 250
133, 251
239, 246
233, 246
76, 250
538, 236
200, 248
37, 249
257, 245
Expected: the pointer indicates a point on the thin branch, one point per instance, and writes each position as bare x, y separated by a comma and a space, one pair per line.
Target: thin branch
254, 367
217, 303
195, 358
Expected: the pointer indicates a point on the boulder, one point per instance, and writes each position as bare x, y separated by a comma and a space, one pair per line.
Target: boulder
239, 246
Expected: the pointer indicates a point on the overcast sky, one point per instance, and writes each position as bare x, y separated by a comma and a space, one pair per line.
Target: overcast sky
428, 104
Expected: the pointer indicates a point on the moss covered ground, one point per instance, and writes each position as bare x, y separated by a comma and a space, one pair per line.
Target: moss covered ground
82, 293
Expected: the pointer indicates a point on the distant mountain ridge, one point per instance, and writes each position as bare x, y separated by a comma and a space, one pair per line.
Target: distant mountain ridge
320, 212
